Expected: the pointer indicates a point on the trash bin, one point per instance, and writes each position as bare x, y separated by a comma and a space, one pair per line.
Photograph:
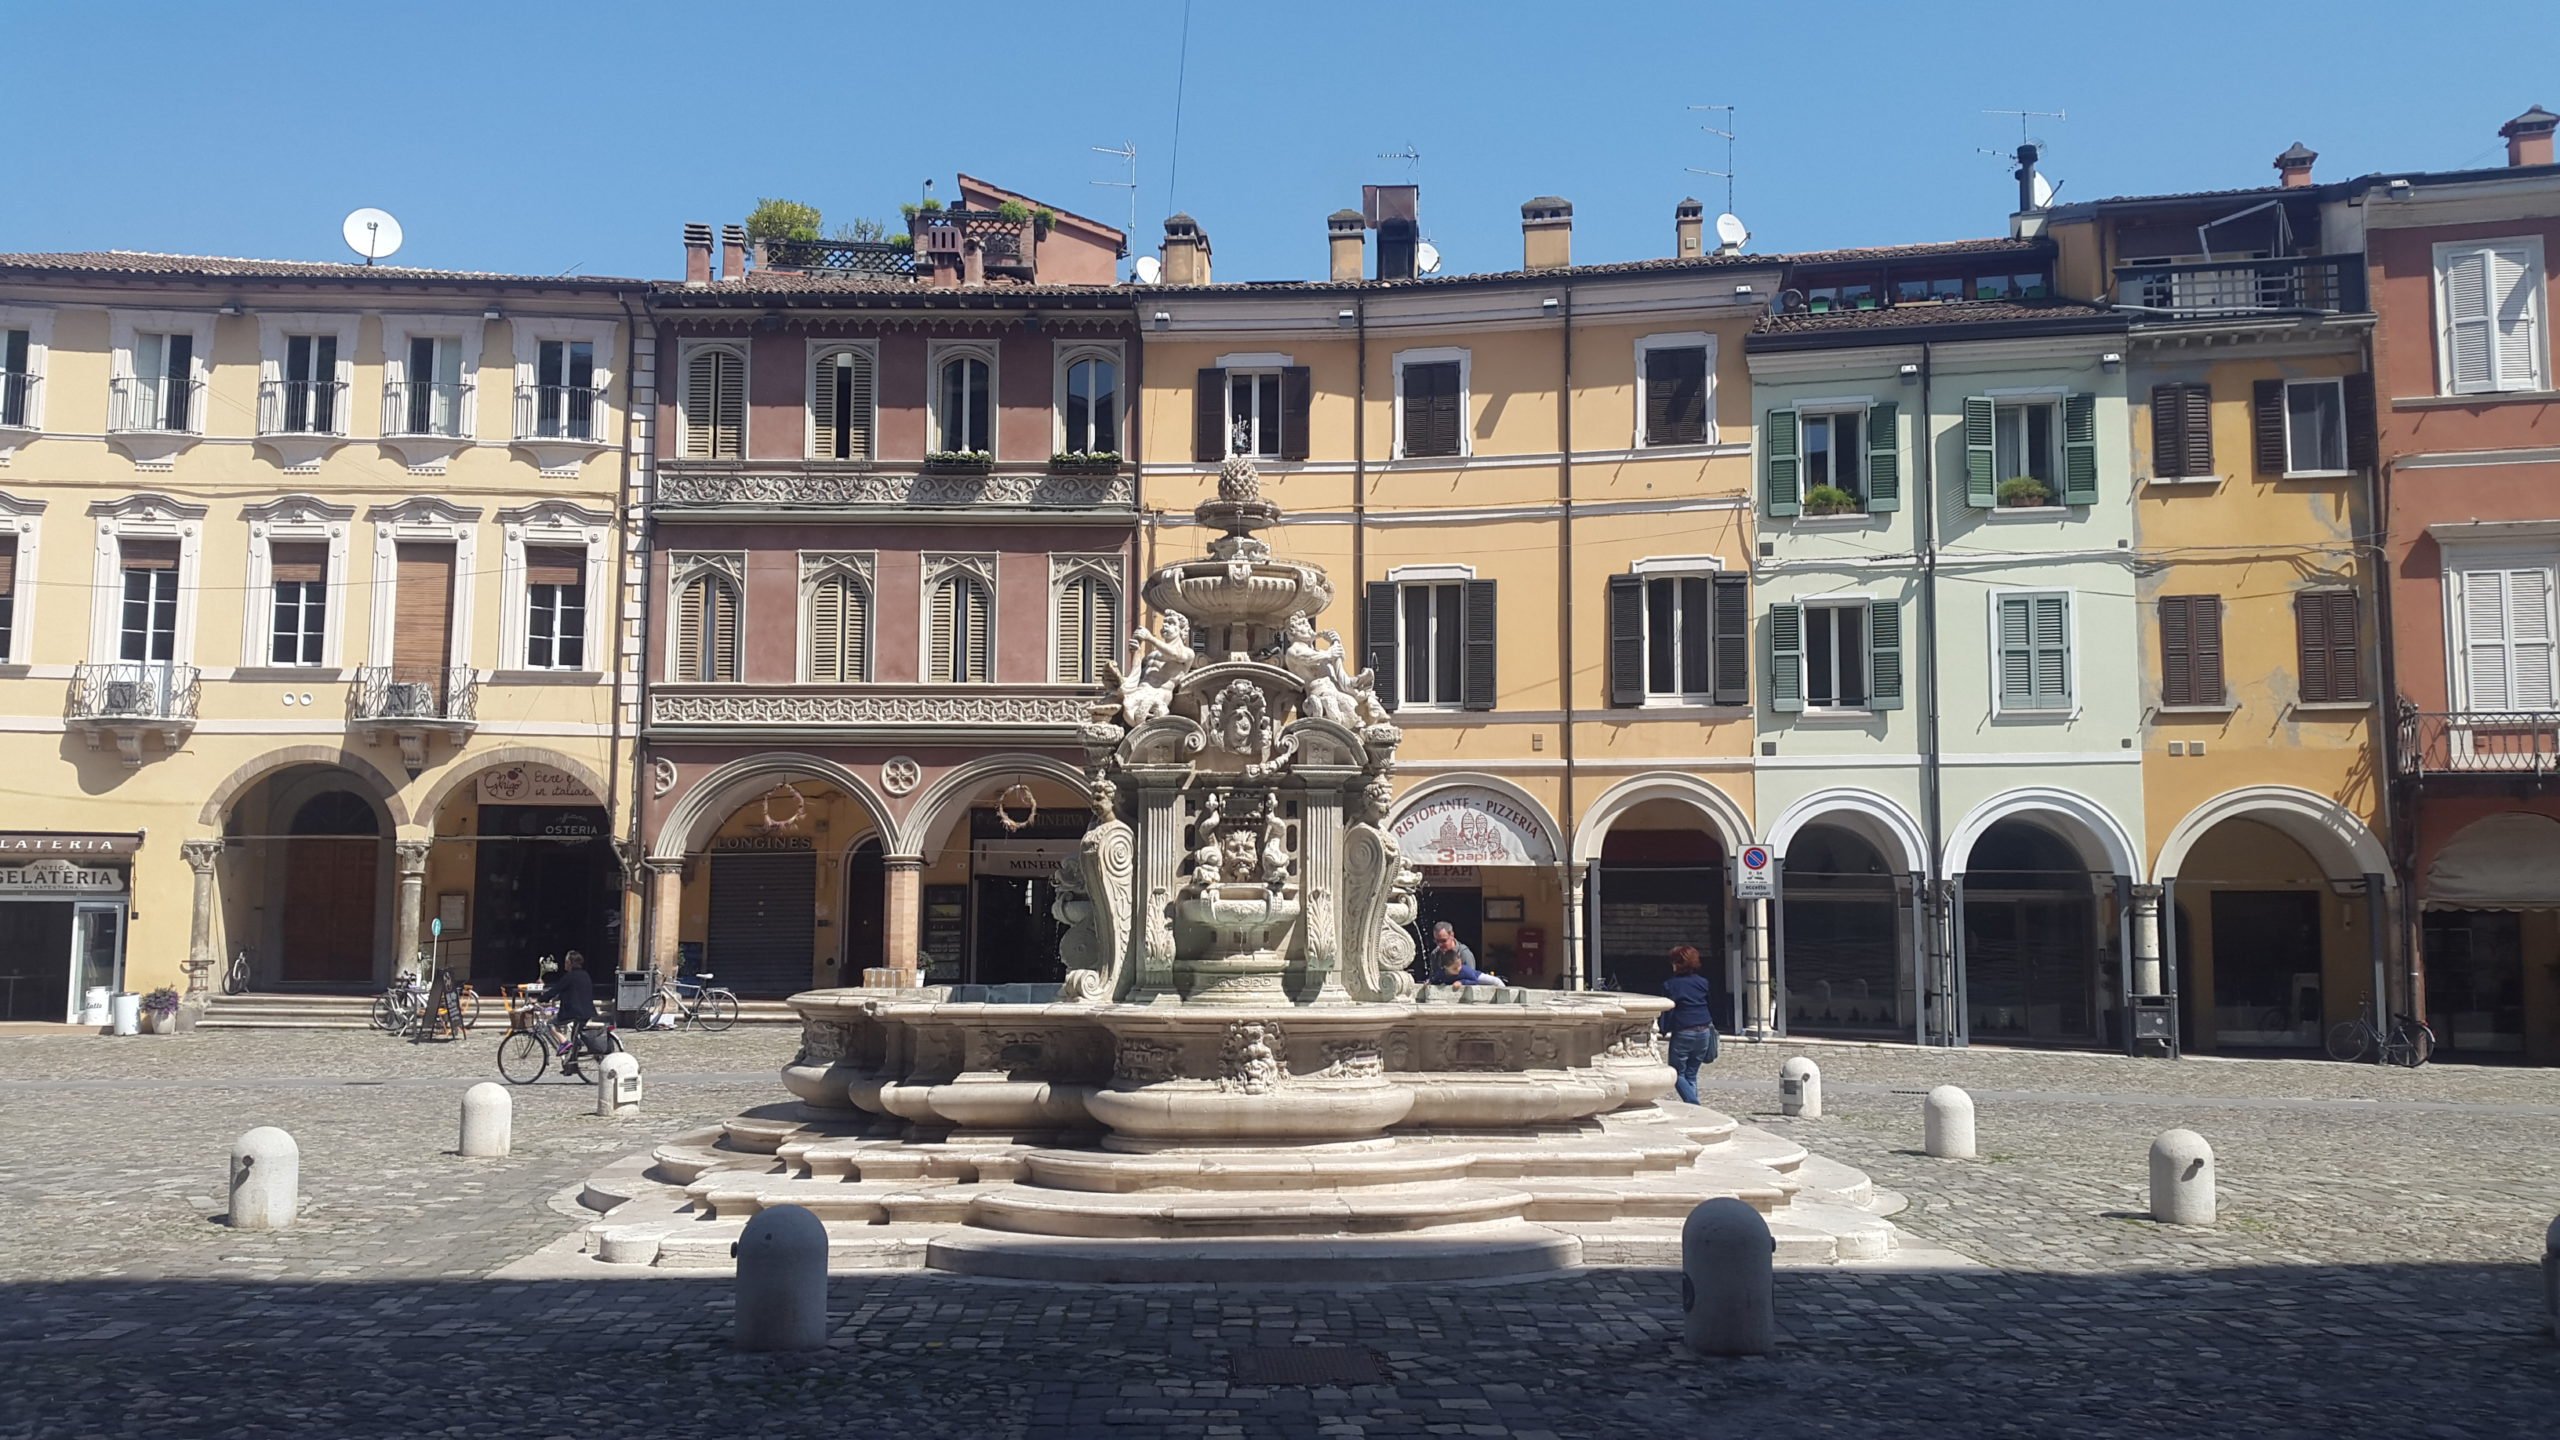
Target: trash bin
631, 991
128, 1013
93, 1005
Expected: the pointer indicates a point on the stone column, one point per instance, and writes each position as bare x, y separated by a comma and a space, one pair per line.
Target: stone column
1159, 880
666, 915
901, 924
407, 919
200, 954
1577, 959
2146, 940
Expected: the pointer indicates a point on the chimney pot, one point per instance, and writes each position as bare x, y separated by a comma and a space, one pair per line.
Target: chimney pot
1546, 233
973, 263
1346, 237
1689, 224
1186, 251
2295, 165
697, 253
2528, 137
733, 252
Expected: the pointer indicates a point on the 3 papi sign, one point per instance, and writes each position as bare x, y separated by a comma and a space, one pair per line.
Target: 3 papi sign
1753, 875
1471, 826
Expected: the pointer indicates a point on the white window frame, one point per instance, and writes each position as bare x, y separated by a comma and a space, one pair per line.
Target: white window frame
1676, 340
24, 519
686, 350
1865, 605
2537, 297
683, 568
275, 330
1434, 355
1861, 406
936, 567
433, 520
2019, 400
819, 349
37, 321
2070, 645
143, 517
295, 519
2460, 561
2333, 383
1063, 568
1677, 567
466, 334
861, 567
1069, 354
1432, 577
123, 328
528, 335
566, 525
938, 353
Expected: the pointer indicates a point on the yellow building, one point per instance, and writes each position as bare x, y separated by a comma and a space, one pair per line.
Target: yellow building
1533, 491
313, 605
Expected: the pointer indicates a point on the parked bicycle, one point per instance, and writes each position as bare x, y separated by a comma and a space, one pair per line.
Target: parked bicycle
235, 976
680, 1004
537, 1040
2409, 1042
404, 1008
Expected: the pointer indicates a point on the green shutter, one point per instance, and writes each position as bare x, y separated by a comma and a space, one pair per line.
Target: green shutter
2080, 450
1981, 485
1786, 657
2017, 654
1884, 457
1884, 655
2052, 652
1778, 451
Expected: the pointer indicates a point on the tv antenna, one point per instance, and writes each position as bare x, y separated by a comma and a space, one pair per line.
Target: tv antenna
2023, 117
1724, 133
1411, 157
1127, 150
371, 233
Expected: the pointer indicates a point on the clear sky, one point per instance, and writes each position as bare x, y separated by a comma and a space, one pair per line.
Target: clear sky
539, 137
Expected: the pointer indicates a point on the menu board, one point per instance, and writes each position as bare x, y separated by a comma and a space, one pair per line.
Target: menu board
946, 932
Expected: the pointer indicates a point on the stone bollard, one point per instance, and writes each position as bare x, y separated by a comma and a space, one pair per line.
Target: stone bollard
1800, 1088
1727, 1279
266, 1179
488, 1122
1946, 1120
618, 1085
2181, 1179
782, 1281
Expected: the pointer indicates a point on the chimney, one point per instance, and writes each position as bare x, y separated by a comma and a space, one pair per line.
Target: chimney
2026, 173
733, 252
973, 263
697, 254
1344, 231
2528, 137
1546, 233
1186, 251
1689, 222
2295, 166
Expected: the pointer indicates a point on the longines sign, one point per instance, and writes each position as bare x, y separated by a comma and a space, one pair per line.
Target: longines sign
85, 844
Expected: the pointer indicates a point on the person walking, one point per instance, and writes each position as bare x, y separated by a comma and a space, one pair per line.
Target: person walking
1690, 1022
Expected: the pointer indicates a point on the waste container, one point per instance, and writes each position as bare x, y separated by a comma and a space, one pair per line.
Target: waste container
93, 1005
631, 991
128, 1013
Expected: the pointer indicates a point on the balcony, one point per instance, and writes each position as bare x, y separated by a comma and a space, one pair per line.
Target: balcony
302, 420
19, 392
2239, 289
725, 486
411, 703
2520, 745
876, 258
426, 421
130, 700
560, 425
153, 417
915, 713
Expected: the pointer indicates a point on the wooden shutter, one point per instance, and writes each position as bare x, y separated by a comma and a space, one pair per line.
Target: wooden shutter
2207, 613
2190, 650
721, 603
1786, 658
1476, 687
160, 554
555, 565
1884, 655
2169, 431
2196, 420
2362, 420
1884, 457
1297, 407
1778, 462
2079, 449
689, 604
2516, 310
8, 574
942, 643
2052, 638
297, 562
1088, 613
2266, 426
1209, 418
2329, 663
422, 620
1733, 640
715, 406
1378, 641
1626, 640
1981, 480
840, 631
2468, 334
1434, 410
1675, 396
840, 405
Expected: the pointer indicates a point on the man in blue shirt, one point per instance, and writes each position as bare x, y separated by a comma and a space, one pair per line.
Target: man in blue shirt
1453, 963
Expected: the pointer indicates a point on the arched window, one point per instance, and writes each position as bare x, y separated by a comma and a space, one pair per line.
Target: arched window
706, 629
715, 404
964, 404
1088, 616
840, 404
963, 609
1090, 404
840, 629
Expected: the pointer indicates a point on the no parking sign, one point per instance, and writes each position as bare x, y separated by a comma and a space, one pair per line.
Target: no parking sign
1752, 876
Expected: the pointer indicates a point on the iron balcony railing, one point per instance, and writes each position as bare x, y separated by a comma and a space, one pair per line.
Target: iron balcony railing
155, 403
302, 407
18, 399
419, 694
2480, 742
423, 407
559, 412
843, 257
2217, 289
137, 690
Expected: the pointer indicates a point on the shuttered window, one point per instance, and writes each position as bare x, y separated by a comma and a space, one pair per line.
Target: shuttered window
1675, 396
556, 607
2491, 325
299, 604
422, 618
1261, 413
17, 382
841, 405
1835, 655
961, 620
964, 405
840, 631
2034, 635
8, 597
715, 404
2181, 431
2507, 632
1834, 452
1088, 624
1438, 643
706, 630
1679, 637
1779, 467
1434, 408
2328, 656
2191, 650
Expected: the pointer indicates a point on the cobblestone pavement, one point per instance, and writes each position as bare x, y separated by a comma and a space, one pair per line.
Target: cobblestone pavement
2373, 1273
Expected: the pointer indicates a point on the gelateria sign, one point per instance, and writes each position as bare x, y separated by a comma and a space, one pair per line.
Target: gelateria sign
533, 785
1471, 827
58, 877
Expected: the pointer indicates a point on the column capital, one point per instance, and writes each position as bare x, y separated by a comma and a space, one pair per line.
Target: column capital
2147, 894
200, 853
664, 864
902, 862
411, 856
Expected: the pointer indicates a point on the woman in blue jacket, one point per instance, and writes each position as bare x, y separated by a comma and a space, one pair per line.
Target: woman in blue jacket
1690, 1022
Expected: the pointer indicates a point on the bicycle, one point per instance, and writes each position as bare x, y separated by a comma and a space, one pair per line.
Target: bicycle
528, 1051
679, 1005
235, 976
2409, 1042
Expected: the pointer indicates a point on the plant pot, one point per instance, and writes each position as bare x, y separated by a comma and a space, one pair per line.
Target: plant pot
157, 1023
1084, 467
958, 467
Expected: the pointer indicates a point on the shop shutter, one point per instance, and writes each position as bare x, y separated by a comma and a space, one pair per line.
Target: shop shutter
555, 565
762, 930
2266, 427
2362, 440
1981, 477
1378, 641
1786, 658
297, 562
1884, 655
1884, 457
715, 406
1778, 462
1476, 663
1733, 640
1675, 396
422, 618
1209, 418
2079, 449
1297, 410
1626, 640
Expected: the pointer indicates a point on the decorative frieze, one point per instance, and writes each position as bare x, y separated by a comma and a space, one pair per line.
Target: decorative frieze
683, 490
939, 707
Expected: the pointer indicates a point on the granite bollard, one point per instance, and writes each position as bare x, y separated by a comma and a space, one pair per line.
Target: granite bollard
1946, 1123
266, 1179
1728, 1279
782, 1281
488, 1122
2181, 1179
618, 1085
1800, 1088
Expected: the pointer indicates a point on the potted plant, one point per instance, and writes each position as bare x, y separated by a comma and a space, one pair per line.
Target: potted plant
2024, 492
1085, 462
160, 1011
1014, 211
1830, 500
959, 462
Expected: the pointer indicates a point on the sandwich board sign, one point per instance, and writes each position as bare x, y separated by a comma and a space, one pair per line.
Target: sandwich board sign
1753, 878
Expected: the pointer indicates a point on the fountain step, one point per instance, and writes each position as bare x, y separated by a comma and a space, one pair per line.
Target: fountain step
837, 1201
1762, 1148
1823, 1236
1499, 1250
848, 1250
1104, 1172
1180, 1215
1831, 1182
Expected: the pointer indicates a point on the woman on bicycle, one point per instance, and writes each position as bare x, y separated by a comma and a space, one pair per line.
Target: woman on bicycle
576, 992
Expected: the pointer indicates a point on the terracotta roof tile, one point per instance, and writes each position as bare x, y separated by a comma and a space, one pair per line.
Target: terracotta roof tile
152, 264
1932, 316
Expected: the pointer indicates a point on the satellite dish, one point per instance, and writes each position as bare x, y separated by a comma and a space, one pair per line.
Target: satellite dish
1426, 258
1146, 269
2043, 190
1731, 231
371, 233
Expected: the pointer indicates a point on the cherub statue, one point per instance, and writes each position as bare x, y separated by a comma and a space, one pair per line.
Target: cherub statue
1275, 849
1157, 659
1333, 692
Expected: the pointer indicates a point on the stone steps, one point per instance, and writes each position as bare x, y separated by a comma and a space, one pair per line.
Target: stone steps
266, 1010
1465, 1252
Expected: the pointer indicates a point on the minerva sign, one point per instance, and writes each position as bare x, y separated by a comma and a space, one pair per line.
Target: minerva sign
1471, 827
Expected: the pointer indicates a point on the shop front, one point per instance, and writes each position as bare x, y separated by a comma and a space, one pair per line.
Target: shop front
63, 906
1489, 871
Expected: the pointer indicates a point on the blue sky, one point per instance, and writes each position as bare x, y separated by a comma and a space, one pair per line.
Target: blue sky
540, 138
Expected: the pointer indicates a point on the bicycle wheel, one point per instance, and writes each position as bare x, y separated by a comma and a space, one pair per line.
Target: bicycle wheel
466, 1006
522, 1057
2349, 1040
386, 1012
2419, 1042
719, 1010
661, 1009
589, 1064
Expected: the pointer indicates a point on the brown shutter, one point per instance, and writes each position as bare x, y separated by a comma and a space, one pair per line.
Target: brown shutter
298, 561
2169, 431
1378, 641
1675, 396
2266, 414
1297, 409
1733, 639
554, 565
2325, 635
148, 554
2207, 670
2346, 655
2196, 406
422, 620
724, 629
2177, 652
1475, 665
1209, 418
8, 564
688, 660
1626, 637
2361, 420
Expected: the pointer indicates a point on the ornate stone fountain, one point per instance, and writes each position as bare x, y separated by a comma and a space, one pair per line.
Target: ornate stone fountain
1237, 1057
